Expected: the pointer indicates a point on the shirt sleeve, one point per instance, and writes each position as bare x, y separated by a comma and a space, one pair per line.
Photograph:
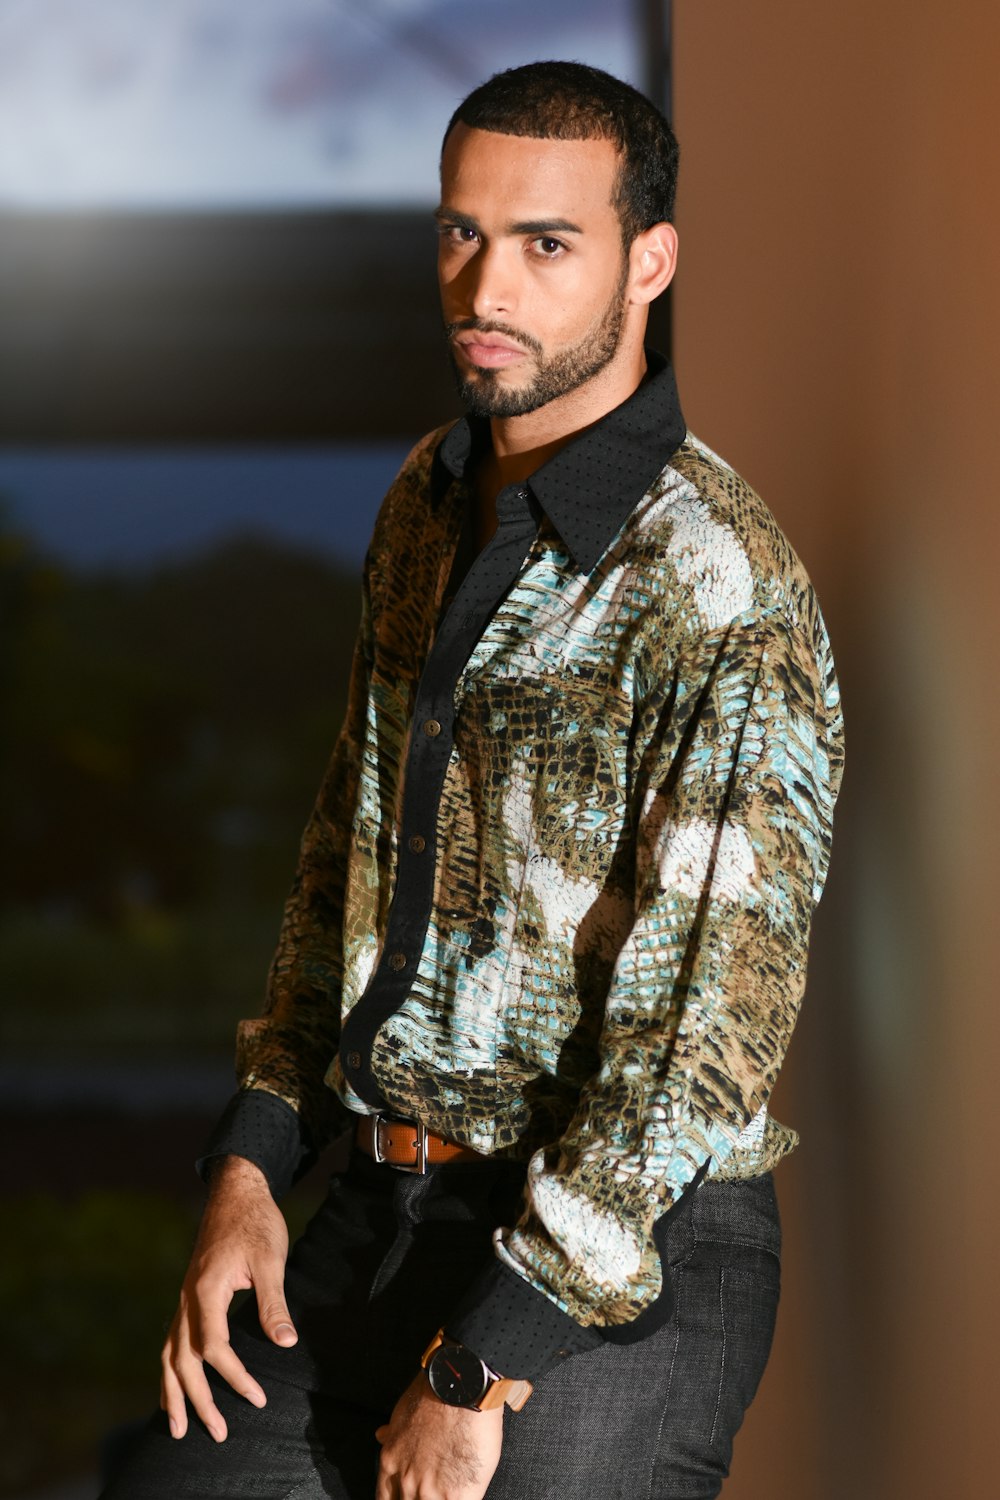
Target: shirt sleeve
284, 1053
738, 758
265, 1130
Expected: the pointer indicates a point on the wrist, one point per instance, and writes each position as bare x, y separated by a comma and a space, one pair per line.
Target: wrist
458, 1377
232, 1173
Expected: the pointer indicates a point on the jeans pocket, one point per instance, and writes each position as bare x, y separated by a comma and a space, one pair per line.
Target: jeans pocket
748, 1306
719, 1342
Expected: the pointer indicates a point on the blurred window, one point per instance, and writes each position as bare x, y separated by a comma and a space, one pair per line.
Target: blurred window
112, 509
181, 104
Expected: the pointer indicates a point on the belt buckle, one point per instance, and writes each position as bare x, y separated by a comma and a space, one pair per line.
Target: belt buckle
419, 1167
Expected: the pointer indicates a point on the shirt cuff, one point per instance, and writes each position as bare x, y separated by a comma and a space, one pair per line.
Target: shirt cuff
265, 1130
514, 1329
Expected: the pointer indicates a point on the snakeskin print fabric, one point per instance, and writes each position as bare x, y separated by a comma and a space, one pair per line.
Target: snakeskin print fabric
633, 831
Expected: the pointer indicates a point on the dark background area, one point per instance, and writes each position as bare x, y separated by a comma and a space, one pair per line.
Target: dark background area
173, 667
213, 328
171, 723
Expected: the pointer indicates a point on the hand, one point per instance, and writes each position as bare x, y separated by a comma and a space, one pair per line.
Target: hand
431, 1451
242, 1242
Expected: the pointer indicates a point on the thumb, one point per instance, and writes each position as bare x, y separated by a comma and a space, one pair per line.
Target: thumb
275, 1318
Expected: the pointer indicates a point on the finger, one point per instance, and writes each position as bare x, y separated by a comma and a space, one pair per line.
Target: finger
272, 1310
385, 1486
227, 1363
212, 1345
191, 1377
173, 1403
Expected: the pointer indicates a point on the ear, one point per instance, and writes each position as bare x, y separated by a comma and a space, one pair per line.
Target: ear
652, 262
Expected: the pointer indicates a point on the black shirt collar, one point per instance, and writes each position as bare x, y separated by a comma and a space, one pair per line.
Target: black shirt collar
591, 486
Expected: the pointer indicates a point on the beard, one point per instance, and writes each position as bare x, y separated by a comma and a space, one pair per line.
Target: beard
482, 393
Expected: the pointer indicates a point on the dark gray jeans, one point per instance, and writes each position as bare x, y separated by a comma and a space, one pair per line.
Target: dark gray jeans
373, 1278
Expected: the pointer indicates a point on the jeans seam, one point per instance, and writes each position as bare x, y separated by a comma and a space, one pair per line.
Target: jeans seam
307, 1486
729, 1239
670, 1375
722, 1365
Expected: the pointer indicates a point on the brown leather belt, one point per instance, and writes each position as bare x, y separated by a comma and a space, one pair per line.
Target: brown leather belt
409, 1145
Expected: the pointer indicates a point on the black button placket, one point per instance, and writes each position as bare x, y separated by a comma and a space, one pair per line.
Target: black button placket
486, 584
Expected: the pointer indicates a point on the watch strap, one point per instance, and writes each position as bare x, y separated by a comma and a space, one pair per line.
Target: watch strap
514, 1392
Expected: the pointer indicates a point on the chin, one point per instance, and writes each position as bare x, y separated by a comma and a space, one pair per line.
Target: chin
485, 394
482, 399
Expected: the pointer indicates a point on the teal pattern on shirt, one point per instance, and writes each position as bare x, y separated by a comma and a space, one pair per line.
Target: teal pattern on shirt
633, 834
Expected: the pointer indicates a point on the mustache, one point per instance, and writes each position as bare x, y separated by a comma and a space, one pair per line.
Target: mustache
487, 325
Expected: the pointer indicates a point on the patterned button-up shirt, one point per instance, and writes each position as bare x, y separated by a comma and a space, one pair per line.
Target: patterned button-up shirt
554, 898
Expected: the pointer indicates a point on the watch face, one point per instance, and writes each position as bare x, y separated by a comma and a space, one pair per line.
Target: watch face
457, 1376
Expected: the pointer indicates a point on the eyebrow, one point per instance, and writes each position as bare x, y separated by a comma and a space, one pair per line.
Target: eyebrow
521, 226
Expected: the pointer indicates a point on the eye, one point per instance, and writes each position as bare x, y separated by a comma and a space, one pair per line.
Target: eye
457, 234
547, 246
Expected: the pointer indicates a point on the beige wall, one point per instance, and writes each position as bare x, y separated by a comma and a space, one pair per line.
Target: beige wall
838, 339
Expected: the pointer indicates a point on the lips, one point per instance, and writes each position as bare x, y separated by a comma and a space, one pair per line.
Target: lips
489, 351
488, 340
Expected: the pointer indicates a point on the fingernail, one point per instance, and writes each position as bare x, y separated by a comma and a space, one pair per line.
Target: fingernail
217, 1433
173, 1427
256, 1398
285, 1333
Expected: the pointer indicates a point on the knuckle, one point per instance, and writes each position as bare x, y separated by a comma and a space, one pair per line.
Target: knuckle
272, 1308
207, 1409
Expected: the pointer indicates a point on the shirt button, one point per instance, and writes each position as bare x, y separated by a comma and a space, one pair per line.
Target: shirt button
397, 961
354, 1059
431, 728
417, 844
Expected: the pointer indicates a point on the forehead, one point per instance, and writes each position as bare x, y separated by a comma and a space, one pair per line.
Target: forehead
526, 177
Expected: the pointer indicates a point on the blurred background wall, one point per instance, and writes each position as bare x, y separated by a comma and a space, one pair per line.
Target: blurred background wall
837, 331
202, 395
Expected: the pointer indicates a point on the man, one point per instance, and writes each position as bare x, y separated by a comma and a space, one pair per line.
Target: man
548, 934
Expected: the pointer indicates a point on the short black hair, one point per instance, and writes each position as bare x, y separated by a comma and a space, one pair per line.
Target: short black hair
570, 101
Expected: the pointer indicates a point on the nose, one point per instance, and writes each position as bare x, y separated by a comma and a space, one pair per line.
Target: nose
494, 290
486, 284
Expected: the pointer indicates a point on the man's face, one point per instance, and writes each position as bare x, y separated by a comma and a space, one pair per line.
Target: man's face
531, 266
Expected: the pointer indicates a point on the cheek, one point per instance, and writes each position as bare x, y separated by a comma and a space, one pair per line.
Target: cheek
445, 273
573, 313
452, 269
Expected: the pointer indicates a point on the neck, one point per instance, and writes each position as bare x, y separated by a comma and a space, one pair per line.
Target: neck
523, 444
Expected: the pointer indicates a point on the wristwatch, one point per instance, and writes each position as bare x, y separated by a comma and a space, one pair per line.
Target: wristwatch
460, 1378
